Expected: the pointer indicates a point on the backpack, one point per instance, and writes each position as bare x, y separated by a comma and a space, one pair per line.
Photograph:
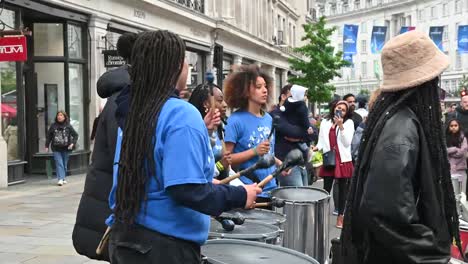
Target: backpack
61, 137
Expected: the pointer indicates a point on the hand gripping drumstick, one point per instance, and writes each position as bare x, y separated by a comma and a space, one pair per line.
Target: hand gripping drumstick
275, 203
263, 162
293, 158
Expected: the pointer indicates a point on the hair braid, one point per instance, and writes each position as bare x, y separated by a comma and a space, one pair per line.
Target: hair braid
157, 63
424, 102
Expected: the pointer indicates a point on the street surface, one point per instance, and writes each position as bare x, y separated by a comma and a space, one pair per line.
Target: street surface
37, 218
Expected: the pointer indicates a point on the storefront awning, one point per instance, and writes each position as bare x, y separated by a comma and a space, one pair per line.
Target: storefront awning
8, 111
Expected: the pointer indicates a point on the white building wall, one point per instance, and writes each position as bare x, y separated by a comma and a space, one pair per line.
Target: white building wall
395, 13
246, 28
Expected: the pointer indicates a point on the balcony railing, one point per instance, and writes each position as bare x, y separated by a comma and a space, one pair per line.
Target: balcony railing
290, 50
195, 5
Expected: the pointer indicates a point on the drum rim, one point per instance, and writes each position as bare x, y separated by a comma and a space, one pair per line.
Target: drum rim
258, 244
264, 236
327, 198
277, 221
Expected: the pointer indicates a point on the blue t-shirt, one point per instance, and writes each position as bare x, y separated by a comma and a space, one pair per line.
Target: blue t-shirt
218, 147
247, 131
183, 155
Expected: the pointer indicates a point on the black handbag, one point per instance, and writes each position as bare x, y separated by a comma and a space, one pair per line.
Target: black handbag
329, 159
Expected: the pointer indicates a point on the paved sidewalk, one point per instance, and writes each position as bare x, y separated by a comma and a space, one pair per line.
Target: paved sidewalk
37, 218
36, 222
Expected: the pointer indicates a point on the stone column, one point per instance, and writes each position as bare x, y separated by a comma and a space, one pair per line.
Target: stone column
284, 77
3, 156
236, 62
270, 70
97, 30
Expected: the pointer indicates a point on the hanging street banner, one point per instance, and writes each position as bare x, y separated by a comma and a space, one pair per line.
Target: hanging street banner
379, 35
406, 29
350, 33
13, 48
349, 58
463, 39
436, 34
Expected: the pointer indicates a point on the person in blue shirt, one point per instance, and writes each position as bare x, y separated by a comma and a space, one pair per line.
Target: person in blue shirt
249, 127
202, 100
162, 193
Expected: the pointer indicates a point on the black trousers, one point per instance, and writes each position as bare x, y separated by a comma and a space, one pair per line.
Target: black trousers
343, 185
137, 244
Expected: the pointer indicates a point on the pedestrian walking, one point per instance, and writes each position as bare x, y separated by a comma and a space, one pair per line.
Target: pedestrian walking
62, 138
162, 193
335, 136
401, 205
457, 149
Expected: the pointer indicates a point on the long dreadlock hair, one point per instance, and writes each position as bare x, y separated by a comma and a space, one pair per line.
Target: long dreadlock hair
424, 102
158, 58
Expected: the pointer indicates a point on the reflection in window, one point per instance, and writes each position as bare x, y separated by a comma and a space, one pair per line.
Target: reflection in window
48, 39
75, 49
195, 62
9, 108
76, 102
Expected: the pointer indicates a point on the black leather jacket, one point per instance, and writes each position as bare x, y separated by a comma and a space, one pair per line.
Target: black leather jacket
399, 214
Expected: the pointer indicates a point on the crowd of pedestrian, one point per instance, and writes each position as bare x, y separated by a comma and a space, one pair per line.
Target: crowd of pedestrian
161, 159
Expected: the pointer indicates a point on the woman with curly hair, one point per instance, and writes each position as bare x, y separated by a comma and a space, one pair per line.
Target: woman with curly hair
249, 126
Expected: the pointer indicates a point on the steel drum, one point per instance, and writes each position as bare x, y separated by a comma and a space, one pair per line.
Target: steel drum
307, 218
259, 215
229, 251
250, 230
262, 216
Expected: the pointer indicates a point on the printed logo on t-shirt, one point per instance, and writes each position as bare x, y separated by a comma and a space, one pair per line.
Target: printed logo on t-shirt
258, 136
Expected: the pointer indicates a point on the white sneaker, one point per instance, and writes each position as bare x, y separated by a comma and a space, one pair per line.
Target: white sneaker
60, 183
65, 182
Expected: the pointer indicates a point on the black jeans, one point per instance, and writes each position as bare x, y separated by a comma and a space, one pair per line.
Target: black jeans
343, 184
137, 244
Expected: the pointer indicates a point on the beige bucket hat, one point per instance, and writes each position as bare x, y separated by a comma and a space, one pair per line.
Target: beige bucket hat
409, 60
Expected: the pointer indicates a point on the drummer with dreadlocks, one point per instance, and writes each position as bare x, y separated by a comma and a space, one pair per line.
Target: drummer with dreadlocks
162, 193
401, 205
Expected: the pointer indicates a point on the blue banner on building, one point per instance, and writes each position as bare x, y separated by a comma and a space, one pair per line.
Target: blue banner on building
350, 33
406, 29
349, 58
436, 34
379, 35
463, 39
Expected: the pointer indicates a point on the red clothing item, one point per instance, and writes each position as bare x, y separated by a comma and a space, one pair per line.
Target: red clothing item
341, 170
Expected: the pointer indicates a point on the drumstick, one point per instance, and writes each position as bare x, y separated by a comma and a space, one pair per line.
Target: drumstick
262, 163
261, 205
293, 158
274, 203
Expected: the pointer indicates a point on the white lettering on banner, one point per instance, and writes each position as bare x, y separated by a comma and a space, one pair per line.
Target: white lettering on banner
9, 49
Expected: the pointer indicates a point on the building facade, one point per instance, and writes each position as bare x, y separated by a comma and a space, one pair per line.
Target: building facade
70, 38
421, 14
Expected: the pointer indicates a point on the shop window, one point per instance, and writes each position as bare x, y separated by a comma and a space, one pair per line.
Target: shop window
75, 44
48, 39
195, 61
50, 97
9, 109
9, 102
76, 113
